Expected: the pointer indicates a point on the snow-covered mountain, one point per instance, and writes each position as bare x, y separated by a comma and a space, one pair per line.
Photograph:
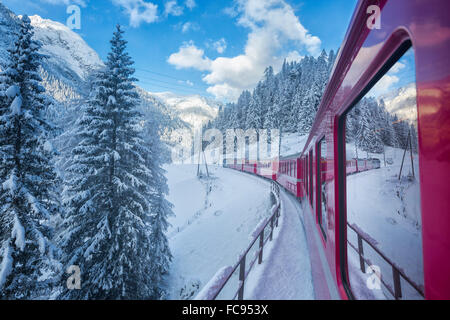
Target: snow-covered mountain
65, 49
402, 102
70, 62
192, 109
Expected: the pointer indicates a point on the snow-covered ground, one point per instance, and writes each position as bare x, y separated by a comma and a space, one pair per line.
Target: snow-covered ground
213, 222
285, 273
216, 216
387, 210
292, 143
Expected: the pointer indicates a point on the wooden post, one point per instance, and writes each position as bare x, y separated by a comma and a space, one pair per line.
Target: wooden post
206, 164
397, 285
261, 246
403, 160
242, 279
411, 152
198, 165
271, 228
278, 215
361, 254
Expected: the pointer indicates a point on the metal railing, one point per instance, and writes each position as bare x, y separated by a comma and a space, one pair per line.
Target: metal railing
397, 272
261, 240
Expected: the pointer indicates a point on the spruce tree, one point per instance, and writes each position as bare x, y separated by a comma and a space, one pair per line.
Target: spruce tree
368, 136
27, 197
161, 208
109, 198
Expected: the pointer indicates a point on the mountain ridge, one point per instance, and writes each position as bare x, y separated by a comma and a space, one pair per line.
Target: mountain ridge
69, 63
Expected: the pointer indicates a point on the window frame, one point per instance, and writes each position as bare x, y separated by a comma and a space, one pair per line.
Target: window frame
342, 172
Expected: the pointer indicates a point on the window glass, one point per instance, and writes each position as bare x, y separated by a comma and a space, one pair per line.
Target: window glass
383, 188
321, 184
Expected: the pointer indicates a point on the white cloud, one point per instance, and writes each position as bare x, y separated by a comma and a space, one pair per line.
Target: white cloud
384, 85
172, 8
294, 56
139, 11
220, 46
190, 4
231, 11
397, 67
66, 2
189, 26
388, 81
189, 56
272, 24
187, 82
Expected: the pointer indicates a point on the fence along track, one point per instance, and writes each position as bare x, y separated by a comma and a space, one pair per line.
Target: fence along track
262, 236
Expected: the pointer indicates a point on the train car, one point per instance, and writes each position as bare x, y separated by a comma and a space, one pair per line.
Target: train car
250, 168
267, 169
354, 228
289, 174
352, 166
375, 163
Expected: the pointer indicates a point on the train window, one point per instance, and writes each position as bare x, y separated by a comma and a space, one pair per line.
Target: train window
295, 168
321, 185
305, 174
384, 240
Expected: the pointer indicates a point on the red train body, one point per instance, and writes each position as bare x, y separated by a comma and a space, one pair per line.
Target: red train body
425, 25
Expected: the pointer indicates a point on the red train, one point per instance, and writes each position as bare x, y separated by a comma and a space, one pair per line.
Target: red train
403, 48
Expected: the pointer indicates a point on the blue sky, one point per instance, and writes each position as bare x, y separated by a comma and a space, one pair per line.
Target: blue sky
210, 47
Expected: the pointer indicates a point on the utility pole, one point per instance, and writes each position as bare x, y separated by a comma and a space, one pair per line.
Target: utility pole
411, 153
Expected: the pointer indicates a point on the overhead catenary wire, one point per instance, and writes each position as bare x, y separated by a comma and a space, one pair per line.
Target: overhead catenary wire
189, 91
166, 76
170, 83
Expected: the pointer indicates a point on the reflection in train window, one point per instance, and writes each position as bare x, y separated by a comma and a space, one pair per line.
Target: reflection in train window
321, 185
383, 189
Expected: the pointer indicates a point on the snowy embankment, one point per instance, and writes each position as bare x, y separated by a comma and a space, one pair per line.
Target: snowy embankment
292, 143
213, 222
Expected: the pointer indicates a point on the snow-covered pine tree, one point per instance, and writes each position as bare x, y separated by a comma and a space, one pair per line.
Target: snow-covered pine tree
161, 209
414, 138
368, 137
401, 128
387, 133
255, 115
28, 181
243, 104
109, 199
